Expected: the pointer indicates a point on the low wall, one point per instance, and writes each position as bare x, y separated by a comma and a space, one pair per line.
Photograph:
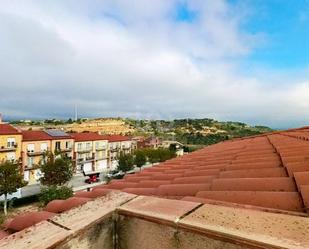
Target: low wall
127, 221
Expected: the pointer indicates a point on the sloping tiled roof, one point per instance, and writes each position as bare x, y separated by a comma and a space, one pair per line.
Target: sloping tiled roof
87, 136
35, 136
268, 171
7, 129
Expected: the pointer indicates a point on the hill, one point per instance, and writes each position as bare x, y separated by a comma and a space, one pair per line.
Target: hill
187, 131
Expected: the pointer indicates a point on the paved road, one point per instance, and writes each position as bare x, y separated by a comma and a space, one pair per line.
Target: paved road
77, 181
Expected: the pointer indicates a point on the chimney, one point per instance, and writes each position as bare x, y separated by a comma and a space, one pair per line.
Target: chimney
0, 118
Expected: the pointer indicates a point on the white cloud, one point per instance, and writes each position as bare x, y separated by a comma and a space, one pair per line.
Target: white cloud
131, 58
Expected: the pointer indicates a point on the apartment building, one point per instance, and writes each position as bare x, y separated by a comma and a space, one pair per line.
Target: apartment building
118, 144
61, 142
90, 152
34, 145
10, 142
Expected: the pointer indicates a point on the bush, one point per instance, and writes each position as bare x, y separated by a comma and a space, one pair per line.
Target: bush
53, 193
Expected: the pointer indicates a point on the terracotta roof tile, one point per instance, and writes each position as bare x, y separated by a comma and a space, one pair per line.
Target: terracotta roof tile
7, 129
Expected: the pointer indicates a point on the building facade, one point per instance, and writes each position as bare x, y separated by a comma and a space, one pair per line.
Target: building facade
116, 145
90, 152
34, 145
10, 143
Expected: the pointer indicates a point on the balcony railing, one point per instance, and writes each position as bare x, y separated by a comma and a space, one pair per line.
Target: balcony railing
84, 150
35, 153
63, 149
101, 148
8, 149
85, 160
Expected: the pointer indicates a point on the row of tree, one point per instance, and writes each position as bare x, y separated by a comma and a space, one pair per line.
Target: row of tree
126, 162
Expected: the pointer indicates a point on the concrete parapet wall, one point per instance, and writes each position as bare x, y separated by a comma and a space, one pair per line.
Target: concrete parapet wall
126, 221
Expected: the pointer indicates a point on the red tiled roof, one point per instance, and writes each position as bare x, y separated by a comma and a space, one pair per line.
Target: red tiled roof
269, 172
7, 129
116, 138
87, 136
35, 136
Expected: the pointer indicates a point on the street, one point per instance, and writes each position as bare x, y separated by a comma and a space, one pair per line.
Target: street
77, 182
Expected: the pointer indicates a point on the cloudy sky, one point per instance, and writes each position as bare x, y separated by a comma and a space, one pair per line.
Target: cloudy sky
241, 60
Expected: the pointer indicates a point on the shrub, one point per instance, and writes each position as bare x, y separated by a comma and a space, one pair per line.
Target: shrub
54, 193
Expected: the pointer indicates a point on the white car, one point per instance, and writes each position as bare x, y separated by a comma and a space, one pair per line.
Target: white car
15, 195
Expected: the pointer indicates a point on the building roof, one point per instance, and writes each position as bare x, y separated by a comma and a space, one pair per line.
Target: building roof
35, 136
87, 136
116, 138
269, 171
7, 129
58, 134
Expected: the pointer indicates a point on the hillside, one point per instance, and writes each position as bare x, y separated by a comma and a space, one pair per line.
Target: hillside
195, 131
188, 131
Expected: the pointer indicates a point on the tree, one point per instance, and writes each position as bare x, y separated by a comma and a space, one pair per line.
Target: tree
125, 162
139, 159
57, 170
11, 179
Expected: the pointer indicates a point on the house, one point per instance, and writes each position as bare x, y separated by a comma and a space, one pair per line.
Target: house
61, 142
177, 145
10, 142
90, 152
34, 145
116, 145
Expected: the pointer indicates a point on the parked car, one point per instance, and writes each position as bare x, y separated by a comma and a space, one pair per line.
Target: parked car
13, 196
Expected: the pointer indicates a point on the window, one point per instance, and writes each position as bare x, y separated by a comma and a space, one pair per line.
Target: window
11, 142
88, 146
30, 148
43, 147
57, 145
79, 146
68, 144
10, 156
30, 162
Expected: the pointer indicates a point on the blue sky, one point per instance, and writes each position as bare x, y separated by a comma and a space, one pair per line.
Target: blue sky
241, 60
286, 27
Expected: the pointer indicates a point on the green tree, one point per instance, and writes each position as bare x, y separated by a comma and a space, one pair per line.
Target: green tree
139, 158
125, 162
11, 179
57, 170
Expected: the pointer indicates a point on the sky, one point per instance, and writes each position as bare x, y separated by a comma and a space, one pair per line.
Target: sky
240, 60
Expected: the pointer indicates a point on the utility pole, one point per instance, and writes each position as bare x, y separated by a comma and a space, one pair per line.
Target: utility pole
75, 112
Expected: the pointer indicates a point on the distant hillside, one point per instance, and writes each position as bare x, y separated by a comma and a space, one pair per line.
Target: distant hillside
188, 131
195, 131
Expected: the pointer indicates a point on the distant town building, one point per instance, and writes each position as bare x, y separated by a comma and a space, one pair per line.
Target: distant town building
177, 145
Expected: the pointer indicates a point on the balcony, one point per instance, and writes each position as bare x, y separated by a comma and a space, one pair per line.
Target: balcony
84, 150
99, 148
35, 153
8, 149
69, 149
85, 160
114, 149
